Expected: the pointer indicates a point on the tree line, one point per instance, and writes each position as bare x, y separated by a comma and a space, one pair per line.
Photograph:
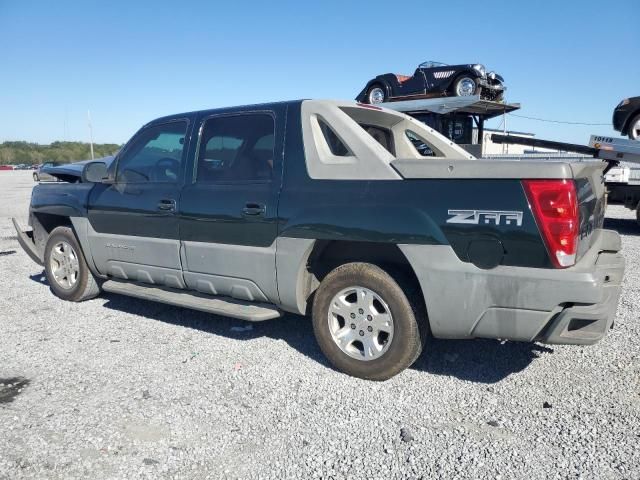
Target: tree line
14, 153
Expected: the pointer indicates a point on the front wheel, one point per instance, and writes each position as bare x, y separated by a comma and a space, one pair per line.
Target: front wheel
365, 324
466, 86
35, 177
66, 268
634, 128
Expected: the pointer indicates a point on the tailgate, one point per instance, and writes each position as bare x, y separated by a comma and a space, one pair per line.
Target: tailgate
590, 190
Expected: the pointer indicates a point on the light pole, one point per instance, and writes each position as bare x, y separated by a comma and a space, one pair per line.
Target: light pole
90, 132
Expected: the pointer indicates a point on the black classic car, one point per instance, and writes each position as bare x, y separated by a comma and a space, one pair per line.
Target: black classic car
626, 117
434, 79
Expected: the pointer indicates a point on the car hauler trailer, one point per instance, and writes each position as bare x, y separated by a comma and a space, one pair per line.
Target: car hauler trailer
455, 117
623, 182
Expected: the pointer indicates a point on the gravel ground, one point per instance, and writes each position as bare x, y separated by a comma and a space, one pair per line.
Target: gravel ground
122, 388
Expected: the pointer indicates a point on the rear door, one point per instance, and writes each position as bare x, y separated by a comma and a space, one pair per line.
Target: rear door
228, 211
133, 230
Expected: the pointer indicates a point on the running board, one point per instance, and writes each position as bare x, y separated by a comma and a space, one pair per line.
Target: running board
225, 306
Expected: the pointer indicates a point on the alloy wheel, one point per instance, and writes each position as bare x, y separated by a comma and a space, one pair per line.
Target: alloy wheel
360, 323
64, 264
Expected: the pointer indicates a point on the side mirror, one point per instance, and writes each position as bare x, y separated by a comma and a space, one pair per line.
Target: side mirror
94, 172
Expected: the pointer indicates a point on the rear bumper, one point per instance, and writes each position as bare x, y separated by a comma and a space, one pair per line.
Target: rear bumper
25, 239
580, 324
576, 305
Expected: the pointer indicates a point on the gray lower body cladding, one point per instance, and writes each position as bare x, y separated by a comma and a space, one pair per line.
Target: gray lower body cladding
576, 305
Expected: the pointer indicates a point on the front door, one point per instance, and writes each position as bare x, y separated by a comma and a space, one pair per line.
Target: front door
228, 213
133, 231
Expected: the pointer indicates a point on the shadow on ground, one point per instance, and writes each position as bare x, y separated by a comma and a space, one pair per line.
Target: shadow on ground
480, 361
624, 226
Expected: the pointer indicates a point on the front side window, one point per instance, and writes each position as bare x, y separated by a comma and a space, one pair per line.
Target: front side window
154, 156
236, 148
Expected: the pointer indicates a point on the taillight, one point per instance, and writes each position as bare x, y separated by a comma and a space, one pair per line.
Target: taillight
555, 207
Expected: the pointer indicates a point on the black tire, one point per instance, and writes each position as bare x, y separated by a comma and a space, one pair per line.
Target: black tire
406, 307
476, 91
634, 133
35, 177
638, 214
371, 90
85, 285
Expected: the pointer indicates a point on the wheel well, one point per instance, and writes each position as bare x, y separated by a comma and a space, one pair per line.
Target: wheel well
43, 224
378, 83
49, 221
327, 255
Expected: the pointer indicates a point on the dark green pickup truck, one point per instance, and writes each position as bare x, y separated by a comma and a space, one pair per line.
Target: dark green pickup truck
378, 227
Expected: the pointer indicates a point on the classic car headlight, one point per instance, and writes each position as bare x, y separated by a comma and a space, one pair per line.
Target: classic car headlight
623, 102
480, 69
491, 75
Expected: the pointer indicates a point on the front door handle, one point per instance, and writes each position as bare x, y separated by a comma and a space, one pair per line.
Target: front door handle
167, 204
254, 209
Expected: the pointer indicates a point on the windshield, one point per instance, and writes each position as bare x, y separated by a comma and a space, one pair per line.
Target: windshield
431, 64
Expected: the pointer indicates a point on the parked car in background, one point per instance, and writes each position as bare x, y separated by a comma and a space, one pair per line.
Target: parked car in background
434, 79
71, 172
6, 167
41, 175
626, 117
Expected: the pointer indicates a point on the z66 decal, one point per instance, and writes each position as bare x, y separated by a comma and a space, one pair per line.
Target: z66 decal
477, 217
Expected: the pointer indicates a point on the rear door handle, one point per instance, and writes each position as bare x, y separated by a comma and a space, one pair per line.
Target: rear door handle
167, 204
254, 209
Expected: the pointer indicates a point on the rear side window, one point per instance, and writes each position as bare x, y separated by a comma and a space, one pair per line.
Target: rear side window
154, 155
236, 148
336, 146
421, 146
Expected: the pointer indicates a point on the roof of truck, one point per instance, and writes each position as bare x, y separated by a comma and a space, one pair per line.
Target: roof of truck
234, 108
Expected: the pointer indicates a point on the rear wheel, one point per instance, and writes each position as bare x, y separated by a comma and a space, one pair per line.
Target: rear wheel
35, 177
634, 128
466, 86
66, 268
365, 323
376, 94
